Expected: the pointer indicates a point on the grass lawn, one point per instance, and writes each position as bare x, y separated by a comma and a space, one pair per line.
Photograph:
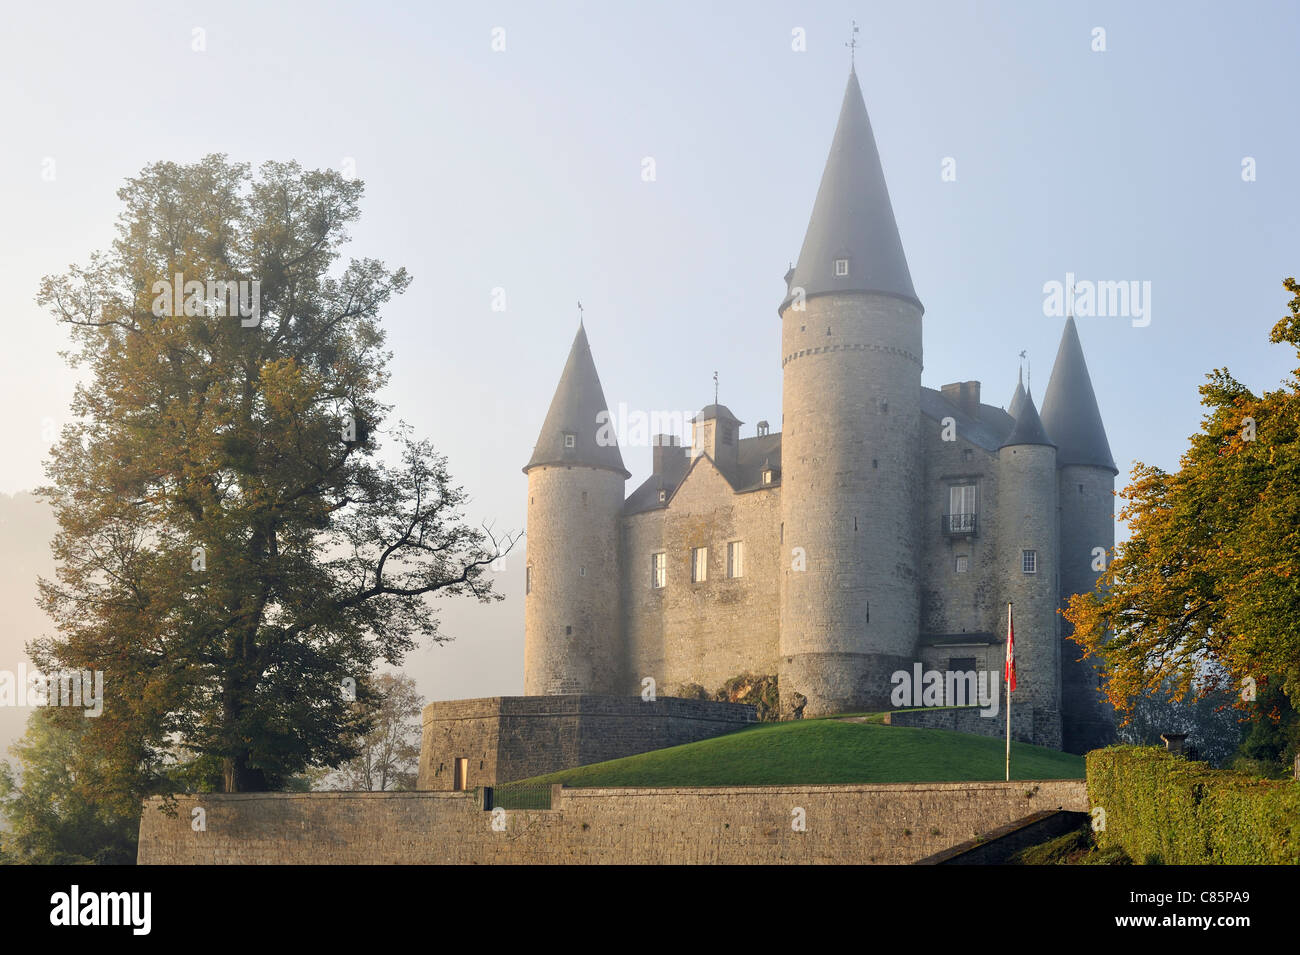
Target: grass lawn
826, 751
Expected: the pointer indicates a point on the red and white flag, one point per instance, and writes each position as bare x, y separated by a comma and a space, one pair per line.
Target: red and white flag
1010, 674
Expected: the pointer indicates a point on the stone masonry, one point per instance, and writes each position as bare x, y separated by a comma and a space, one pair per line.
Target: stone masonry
843, 825
506, 738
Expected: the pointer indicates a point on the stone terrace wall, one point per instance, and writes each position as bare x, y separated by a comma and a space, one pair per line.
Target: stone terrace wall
897, 823
968, 720
514, 737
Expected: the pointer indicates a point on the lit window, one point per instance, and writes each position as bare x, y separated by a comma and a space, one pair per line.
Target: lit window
841, 266
736, 559
699, 564
570, 440
1029, 561
658, 570
963, 563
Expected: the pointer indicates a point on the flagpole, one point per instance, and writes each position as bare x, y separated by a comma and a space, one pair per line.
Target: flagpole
1007, 676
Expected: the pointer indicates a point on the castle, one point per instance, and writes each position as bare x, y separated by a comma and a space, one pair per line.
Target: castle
885, 525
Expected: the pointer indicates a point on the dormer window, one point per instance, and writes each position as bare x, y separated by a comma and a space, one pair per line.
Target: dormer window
767, 476
570, 439
841, 267
663, 497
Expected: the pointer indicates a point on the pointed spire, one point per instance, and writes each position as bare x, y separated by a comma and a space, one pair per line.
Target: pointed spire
1029, 427
575, 413
852, 219
1018, 398
1070, 411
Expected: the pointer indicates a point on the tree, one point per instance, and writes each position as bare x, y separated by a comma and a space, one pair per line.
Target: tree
233, 551
1205, 594
60, 807
389, 754
1212, 725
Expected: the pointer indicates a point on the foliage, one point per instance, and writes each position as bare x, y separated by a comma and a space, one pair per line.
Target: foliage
1073, 848
1212, 725
389, 756
1211, 572
233, 552
1270, 747
1168, 810
761, 692
60, 806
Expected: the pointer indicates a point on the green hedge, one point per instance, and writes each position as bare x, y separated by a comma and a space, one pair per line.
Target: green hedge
1166, 809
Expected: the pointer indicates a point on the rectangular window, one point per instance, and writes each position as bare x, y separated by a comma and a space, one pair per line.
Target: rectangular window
736, 559
963, 563
1029, 561
841, 266
961, 499
570, 440
460, 780
699, 564
528, 579
658, 570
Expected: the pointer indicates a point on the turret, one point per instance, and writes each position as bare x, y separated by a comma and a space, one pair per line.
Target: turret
1086, 481
572, 609
715, 431
1028, 540
851, 449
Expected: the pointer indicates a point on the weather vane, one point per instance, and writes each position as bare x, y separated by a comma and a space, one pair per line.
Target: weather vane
853, 44
579, 311
715, 387
1029, 374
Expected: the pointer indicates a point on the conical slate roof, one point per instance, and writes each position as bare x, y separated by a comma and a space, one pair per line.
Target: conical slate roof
852, 218
1029, 427
1070, 411
1018, 398
575, 411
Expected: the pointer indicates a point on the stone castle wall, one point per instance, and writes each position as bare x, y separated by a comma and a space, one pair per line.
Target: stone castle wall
857, 824
711, 631
509, 738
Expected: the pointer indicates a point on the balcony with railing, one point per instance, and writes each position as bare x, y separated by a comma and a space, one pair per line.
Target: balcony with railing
959, 525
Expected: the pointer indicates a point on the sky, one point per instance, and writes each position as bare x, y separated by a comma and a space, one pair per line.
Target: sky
516, 175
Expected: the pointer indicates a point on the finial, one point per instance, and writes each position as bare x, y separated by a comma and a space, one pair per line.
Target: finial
853, 46
1020, 372
715, 387
580, 314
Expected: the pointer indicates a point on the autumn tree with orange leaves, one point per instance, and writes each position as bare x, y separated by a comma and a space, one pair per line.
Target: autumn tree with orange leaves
1211, 573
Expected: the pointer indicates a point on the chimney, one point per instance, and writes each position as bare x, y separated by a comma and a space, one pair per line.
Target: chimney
965, 395
668, 453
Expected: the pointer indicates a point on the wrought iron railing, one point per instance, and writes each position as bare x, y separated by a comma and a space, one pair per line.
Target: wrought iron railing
959, 525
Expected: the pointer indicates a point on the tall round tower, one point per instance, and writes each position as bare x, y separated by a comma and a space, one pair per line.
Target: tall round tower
851, 450
572, 611
1086, 476
1028, 564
